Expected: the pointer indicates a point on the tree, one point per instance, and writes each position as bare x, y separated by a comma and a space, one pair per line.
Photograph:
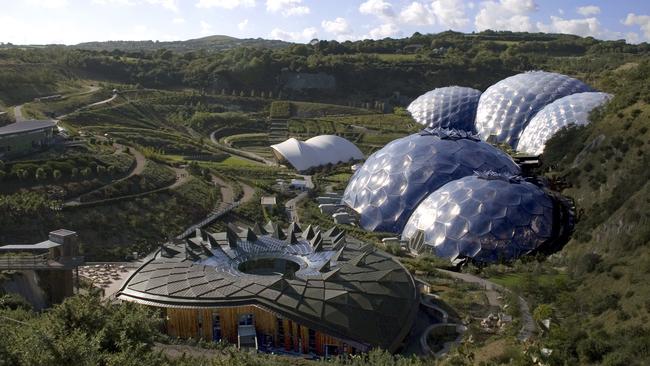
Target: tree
56, 174
74, 172
40, 174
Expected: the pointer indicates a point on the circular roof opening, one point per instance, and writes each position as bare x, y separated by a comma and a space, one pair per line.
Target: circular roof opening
269, 267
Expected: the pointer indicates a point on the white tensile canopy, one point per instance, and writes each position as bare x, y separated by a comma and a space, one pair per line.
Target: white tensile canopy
317, 151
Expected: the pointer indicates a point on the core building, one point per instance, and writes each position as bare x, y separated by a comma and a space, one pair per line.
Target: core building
306, 291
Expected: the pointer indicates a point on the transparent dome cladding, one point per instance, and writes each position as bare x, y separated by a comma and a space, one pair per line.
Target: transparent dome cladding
573, 109
484, 219
506, 107
393, 181
448, 107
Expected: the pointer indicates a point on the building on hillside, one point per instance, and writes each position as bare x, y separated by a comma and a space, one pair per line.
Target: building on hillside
268, 202
316, 152
52, 261
307, 291
24, 137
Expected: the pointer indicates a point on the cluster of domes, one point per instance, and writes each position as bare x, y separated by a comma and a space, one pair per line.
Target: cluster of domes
506, 109
449, 193
394, 180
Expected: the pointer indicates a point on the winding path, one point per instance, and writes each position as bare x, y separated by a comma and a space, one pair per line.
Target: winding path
140, 161
241, 153
528, 328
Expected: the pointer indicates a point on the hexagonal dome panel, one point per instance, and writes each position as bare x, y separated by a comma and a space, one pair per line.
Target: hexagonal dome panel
452, 107
573, 109
506, 107
393, 181
487, 217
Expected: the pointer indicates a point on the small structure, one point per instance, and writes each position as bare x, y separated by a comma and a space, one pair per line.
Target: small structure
24, 137
52, 260
299, 184
315, 152
268, 202
329, 200
343, 218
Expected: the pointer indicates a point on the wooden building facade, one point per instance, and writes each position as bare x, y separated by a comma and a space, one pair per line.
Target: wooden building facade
273, 331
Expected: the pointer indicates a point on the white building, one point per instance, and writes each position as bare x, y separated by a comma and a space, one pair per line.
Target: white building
315, 152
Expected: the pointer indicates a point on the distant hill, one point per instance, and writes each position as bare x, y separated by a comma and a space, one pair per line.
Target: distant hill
210, 43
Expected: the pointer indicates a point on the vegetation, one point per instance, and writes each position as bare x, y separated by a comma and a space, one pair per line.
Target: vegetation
594, 291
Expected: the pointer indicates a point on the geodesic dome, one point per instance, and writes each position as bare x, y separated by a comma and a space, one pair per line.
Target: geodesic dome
486, 217
452, 107
573, 109
393, 181
506, 107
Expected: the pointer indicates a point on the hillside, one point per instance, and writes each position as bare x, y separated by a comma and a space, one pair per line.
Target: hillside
204, 114
210, 43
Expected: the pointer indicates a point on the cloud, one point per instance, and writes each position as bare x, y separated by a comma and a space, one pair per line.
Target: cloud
513, 15
378, 8
167, 4
306, 35
243, 24
338, 27
588, 10
206, 28
114, 2
225, 4
383, 31
178, 20
49, 4
287, 7
582, 26
643, 21
450, 13
417, 13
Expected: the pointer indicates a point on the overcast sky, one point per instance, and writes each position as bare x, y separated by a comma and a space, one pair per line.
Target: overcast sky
74, 21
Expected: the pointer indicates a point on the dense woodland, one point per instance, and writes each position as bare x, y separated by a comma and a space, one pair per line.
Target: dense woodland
595, 290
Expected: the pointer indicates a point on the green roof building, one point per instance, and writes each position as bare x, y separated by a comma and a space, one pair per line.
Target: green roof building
24, 137
299, 290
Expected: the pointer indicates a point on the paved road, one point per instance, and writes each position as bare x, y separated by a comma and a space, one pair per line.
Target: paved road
528, 328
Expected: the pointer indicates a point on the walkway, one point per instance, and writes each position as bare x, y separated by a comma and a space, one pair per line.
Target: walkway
18, 113
241, 153
528, 328
224, 207
140, 161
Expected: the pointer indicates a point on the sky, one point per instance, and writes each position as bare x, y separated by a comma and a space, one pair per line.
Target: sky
76, 21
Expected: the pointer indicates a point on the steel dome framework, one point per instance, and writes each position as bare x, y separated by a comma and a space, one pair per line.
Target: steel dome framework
506, 107
487, 217
452, 107
394, 180
573, 109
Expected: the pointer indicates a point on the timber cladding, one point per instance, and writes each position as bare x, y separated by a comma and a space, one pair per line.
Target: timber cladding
280, 332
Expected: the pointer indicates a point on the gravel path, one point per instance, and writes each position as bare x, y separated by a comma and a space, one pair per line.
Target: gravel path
528, 328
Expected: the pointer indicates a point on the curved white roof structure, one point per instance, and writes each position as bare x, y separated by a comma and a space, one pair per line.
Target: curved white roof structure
317, 151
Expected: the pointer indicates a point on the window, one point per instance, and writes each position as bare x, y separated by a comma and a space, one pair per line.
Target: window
312, 341
246, 319
216, 327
